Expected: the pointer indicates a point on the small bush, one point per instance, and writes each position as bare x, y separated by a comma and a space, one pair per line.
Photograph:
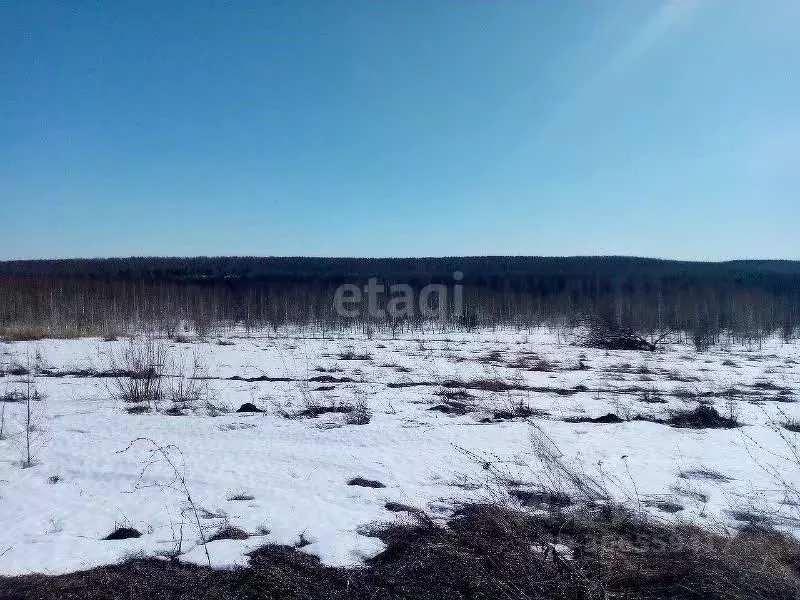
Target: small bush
360, 415
605, 333
188, 392
139, 372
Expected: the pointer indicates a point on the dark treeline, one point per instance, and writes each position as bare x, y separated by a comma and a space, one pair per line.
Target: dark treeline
747, 299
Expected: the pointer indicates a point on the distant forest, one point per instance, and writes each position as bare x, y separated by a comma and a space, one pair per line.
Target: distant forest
743, 299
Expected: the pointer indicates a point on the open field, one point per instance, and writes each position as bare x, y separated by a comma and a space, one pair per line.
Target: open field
358, 430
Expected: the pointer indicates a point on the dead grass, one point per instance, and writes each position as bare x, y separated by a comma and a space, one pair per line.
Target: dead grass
35, 334
351, 354
792, 425
484, 552
229, 532
702, 417
532, 362
703, 474
240, 497
360, 415
765, 385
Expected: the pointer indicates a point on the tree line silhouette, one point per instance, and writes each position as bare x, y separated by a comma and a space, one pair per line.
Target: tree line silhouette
747, 300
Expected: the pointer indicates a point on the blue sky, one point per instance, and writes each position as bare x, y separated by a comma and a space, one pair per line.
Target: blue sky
400, 128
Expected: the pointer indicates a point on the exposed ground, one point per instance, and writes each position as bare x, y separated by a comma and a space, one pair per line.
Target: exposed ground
345, 432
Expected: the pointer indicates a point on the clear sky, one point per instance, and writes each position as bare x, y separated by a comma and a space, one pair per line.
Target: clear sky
400, 128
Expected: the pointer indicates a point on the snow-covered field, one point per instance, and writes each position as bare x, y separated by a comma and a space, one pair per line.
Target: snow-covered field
283, 477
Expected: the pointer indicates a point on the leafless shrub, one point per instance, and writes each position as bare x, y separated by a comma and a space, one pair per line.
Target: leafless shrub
187, 392
171, 456
704, 335
26, 393
606, 333
351, 354
139, 373
31, 394
361, 414
517, 406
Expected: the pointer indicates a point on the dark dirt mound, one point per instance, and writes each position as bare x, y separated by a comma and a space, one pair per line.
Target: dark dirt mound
702, 417
451, 407
361, 482
123, 533
607, 418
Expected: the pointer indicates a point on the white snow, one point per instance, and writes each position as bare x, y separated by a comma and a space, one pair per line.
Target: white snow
296, 470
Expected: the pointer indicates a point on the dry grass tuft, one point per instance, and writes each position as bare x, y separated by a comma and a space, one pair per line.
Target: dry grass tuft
229, 532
